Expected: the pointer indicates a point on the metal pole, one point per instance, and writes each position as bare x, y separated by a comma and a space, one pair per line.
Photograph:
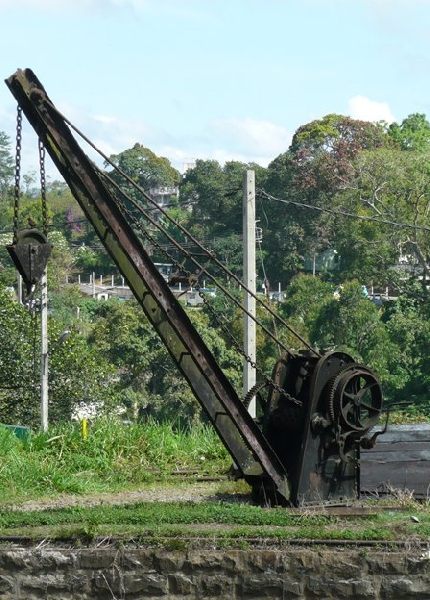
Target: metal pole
249, 272
44, 352
19, 288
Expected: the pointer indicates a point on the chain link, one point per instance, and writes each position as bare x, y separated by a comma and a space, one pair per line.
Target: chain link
43, 187
224, 326
17, 173
240, 350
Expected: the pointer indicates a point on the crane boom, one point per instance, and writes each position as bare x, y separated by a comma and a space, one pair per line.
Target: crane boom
238, 431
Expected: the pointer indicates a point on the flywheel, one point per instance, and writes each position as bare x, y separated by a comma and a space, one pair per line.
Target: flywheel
355, 399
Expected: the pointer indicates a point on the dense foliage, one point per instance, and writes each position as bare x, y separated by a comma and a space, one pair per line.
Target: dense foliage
345, 206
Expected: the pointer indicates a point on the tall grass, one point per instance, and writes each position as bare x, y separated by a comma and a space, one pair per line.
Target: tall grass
113, 456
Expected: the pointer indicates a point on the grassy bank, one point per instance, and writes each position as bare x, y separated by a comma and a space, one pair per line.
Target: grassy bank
112, 457
98, 483
173, 523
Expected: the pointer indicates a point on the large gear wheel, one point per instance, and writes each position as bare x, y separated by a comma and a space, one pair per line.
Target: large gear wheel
255, 392
355, 399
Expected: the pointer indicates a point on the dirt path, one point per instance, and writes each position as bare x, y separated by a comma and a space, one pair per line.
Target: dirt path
161, 492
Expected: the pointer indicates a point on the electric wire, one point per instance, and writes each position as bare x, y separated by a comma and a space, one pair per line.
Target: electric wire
263, 194
188, 255
202, 268
210, 255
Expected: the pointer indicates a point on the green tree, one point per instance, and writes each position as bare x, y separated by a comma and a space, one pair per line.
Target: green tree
409, 361
349, 321
305, 295
6, 165
144, 168
308, 178
122, 334
286, 227
389, 193
215, 195
61, 261
412, 134
323, 149
19, 366
80, 378
76, 373
150, 382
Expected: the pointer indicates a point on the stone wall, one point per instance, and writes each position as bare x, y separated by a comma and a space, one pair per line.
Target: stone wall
111, 573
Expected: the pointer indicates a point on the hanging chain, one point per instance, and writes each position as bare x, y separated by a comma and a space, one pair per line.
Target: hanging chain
17, 173
43, 186
219, 320
239, 348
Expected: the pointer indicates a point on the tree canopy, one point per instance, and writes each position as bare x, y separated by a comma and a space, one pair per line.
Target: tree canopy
343, 187
6, 165
144, 168
413, 133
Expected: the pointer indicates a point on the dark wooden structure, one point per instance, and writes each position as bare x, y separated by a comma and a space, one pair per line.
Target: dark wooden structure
399, 463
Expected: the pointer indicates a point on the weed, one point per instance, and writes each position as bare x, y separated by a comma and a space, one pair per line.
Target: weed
112, 457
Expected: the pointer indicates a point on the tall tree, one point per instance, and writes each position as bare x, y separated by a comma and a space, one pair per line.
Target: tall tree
322, 151
308, 177
144, 168
389, 191
214, 194
77, 374
412, 134
6, 164
285, 225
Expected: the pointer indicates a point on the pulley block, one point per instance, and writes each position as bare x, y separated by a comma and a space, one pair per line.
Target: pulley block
30, 254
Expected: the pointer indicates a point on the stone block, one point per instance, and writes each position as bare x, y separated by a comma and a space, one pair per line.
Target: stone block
266, 561
45, 585
7, 584
121, 584
406, 588
206, 560
18, 558
351, 589
169, 562
181, 585
262, 586
385, 563
214, 586
95, 559
142, 560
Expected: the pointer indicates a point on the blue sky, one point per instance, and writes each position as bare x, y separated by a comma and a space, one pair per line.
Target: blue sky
221, 79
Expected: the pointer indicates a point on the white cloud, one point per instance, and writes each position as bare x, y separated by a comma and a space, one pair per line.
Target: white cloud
251, 137
41, 5
73, 5
364, 109
85, 6
104, 119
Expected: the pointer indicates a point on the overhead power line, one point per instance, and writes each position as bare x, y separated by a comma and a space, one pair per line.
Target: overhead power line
264, 194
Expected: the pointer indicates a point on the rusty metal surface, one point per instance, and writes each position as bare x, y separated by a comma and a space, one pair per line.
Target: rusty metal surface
400, 463
305, 449
30, 255
235, 426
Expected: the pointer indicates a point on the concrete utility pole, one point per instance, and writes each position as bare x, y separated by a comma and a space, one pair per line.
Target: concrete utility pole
44, 351
249, 273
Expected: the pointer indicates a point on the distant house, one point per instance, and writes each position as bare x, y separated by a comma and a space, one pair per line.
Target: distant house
163, 195
165, 269
327, 260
